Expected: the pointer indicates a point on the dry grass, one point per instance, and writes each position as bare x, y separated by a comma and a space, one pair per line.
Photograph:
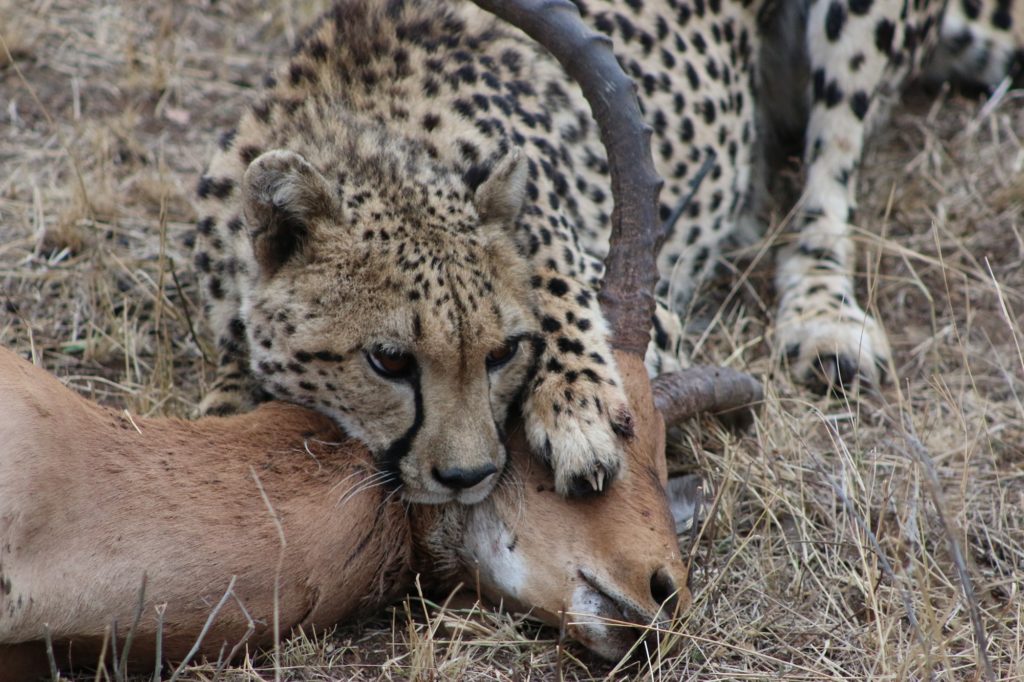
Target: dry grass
832, 551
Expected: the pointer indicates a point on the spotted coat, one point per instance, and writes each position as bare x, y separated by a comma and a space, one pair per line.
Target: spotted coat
405, 229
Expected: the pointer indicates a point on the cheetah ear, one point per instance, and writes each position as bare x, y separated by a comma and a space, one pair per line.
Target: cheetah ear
499, 198
282, 195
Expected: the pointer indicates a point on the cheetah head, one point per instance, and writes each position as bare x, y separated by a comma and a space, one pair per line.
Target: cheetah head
399, 306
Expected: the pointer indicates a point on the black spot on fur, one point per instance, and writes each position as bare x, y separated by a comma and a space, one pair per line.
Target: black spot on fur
237, 329
885, 30
202, 262
226, 138
298, 73
819, 254
1001, 17
660, 335
834, 20
431, 121
219, 189
860, 7
859, 104
205, 226
318, 50
476, 176
558, 286
550, 324
567, 345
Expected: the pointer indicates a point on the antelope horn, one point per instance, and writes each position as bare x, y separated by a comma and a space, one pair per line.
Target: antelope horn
685, 394
631, 272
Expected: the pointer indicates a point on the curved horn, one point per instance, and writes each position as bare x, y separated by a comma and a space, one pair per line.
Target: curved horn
684, 394
631, 272
627, 298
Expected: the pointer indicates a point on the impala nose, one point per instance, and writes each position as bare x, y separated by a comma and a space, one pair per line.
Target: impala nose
667, 592
458, 478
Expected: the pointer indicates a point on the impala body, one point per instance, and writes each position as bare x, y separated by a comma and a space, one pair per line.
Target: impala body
92, 499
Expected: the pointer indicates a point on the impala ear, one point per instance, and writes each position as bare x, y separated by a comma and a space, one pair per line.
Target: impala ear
686, 501
282, 195
499, 198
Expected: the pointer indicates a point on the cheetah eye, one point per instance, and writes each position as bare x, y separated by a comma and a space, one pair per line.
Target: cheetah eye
391, 364
502, 354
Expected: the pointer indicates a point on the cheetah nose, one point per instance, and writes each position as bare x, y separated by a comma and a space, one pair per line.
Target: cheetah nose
461, 479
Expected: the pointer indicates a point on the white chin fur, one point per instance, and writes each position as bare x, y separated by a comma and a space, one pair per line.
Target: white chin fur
598, 623
489, 543
475, 495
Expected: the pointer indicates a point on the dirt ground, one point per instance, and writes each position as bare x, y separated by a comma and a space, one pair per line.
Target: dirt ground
837, 525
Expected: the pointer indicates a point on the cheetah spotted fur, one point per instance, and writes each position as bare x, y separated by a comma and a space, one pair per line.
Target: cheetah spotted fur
405, 231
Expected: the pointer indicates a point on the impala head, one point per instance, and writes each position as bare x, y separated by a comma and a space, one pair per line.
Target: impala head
605, 566
608, 566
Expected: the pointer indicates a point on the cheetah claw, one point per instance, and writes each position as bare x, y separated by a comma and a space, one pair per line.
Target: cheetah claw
585, 449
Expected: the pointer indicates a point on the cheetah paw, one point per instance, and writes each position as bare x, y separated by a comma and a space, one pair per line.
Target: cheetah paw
582, 438
221, 403
834, 349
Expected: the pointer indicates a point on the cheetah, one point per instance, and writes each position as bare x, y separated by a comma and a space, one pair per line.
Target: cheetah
405, 230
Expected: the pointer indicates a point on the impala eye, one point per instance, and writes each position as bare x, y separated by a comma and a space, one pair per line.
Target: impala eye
502, 354
391, 364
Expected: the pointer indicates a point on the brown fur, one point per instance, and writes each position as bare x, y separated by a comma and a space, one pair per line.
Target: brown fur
88, 504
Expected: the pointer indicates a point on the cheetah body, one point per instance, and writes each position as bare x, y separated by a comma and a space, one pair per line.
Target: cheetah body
424, 182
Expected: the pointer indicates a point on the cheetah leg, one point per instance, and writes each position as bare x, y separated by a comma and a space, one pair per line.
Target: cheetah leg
575, 410
828, 339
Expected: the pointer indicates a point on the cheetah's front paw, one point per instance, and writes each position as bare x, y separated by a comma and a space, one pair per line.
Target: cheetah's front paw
832, 347
219, 403
579, 427
234, 393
